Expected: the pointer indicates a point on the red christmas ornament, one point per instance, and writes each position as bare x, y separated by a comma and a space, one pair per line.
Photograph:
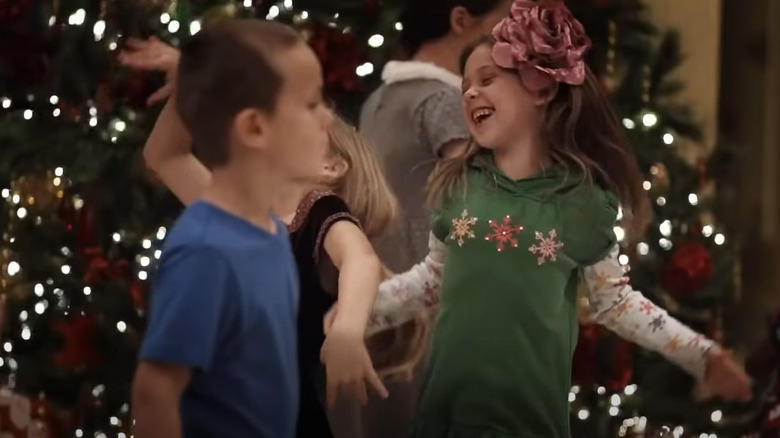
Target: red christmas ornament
602, 358
688, 270
78, 350
621, 371
339, 54
99, 268
584, 364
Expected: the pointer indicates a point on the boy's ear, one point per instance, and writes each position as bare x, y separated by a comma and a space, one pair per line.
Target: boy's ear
250, 128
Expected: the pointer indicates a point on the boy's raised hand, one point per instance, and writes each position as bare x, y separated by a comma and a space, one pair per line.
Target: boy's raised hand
152, 55
348, 365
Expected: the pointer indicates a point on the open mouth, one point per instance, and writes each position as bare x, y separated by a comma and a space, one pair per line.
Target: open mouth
479, 115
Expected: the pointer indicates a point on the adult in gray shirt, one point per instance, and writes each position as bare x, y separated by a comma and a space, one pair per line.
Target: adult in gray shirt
415, 118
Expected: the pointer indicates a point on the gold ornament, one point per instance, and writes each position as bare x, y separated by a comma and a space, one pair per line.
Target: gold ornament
38, 191
659, 179
221, 12
706, 218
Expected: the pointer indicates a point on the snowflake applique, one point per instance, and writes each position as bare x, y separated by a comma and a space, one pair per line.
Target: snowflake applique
623, 308
546, 247
658, 323
462, 227
401, 294
674, 344
600, 279
696, 340
431, 294
618, 298
503, 233
647, 307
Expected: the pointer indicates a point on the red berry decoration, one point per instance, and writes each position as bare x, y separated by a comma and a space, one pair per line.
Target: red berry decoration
688, 270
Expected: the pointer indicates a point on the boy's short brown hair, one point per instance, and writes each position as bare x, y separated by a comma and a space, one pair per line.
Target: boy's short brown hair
223, 70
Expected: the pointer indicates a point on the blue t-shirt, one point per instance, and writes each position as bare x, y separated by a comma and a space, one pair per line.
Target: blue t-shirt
225, 304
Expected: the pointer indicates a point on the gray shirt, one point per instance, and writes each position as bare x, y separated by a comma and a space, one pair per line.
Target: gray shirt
409, 121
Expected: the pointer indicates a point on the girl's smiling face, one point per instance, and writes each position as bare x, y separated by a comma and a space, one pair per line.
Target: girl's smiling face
497, 108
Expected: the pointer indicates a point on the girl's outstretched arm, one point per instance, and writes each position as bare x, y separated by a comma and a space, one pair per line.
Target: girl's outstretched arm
346, 359
402, 297
625, 311
359, 275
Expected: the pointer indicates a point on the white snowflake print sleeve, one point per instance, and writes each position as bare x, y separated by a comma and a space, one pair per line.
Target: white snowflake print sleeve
625, 311
404, 296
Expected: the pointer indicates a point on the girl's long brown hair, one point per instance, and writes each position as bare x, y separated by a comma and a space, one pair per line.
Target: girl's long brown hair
581, 132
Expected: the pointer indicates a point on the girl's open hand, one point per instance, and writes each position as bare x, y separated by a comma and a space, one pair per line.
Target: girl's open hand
348, 365
726, 378
152, 55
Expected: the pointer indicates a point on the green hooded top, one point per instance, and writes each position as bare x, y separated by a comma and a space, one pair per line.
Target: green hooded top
502, 347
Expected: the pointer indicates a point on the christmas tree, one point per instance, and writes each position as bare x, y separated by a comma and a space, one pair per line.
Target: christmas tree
83, 219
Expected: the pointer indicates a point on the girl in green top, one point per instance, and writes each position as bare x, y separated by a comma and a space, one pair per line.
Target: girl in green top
519, 221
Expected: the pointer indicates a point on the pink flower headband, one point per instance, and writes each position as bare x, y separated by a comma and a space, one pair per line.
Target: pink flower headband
544, 42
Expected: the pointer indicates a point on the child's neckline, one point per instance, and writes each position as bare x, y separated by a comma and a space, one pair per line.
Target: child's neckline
244, 222
305, 206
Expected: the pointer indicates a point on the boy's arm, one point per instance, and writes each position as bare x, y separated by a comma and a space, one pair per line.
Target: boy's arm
402, 297
189, 308
157, 390
167, 152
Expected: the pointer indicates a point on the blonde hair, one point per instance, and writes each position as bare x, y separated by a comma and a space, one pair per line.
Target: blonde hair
363, 186
396, 352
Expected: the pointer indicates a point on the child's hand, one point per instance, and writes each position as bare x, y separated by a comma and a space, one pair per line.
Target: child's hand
153, 55
726, 378
348, 364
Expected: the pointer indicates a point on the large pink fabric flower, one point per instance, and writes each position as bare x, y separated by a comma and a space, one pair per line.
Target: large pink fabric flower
544, 42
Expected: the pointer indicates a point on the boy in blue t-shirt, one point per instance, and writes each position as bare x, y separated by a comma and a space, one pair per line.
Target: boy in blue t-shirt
219, 356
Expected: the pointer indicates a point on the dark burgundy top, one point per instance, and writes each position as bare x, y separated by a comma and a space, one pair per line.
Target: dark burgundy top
319, 287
